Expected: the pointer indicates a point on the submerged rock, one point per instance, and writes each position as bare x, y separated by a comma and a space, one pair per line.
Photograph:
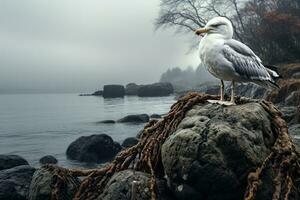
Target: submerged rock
14, 182
213, 150
40, 187
48, 160
9, 161
94, 148
129, 142
140, 118
120, 187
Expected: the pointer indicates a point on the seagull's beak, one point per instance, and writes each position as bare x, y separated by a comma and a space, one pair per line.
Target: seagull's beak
201, 31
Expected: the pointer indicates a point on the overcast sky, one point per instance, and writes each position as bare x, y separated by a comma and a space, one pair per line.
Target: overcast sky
80, 45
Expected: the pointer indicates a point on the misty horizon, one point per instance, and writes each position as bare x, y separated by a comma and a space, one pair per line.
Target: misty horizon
68, 46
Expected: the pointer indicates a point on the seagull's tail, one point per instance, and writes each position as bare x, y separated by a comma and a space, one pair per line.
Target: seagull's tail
273, 71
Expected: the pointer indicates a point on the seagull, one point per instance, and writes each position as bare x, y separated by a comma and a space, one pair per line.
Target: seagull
230, 60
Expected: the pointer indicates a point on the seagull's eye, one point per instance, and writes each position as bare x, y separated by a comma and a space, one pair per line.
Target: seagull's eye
215, 25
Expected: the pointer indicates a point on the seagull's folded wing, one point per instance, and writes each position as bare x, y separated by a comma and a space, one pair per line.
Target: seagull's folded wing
244, 61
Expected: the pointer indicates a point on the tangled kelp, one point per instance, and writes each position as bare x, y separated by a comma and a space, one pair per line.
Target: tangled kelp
146, 157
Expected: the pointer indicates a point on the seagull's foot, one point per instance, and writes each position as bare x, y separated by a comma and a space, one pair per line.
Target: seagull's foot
225, 103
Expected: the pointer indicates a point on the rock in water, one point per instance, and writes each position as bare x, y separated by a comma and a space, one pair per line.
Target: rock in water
9, 161
48, 160
14, 182
156, 89
213, 150
131, 89
120, 187
40, 187
141, 118
94, 148
113, 91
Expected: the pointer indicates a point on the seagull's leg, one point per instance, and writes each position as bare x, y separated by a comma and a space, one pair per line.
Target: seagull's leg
222, 91
232, 92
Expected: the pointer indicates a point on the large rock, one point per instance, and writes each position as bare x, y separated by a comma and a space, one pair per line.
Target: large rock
113, 91
213, 150
9, 161
40, 187
156, 89
98, 93
94, 148
140, 118
131, 89
120, 187
14, 182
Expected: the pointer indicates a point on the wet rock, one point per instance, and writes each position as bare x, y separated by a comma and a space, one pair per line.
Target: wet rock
129, 142
94, 148
48, 160
120, 187
14, 182
155, 90
40, 187
113, 91
214, 148
140, 118
9, 161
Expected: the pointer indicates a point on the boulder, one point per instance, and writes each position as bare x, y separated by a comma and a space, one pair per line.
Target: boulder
129, 142
120, 187
140, 118
132, 89
40, 187
98, 93
214, 148
113, 91
48, 160
93, 148
9, 161
155, 90
14, 182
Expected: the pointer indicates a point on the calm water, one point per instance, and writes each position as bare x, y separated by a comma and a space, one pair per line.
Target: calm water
34, 125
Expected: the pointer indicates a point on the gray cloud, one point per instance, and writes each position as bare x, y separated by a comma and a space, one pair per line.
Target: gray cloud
80, 45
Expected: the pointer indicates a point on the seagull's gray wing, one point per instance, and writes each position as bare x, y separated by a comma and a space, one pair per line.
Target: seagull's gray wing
244, 61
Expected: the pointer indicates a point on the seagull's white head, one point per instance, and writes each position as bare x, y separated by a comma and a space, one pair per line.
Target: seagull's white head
217, 25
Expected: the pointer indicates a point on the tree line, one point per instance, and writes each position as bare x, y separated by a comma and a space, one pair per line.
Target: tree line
270, 27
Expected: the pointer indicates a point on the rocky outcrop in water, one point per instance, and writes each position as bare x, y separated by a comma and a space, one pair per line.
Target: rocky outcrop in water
113, 91
9, 161
94, 148
129, 142
155, 90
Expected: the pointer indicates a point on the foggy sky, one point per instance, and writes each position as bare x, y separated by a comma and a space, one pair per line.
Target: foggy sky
80, 45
